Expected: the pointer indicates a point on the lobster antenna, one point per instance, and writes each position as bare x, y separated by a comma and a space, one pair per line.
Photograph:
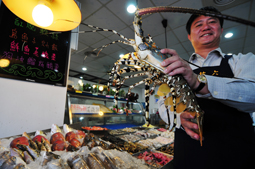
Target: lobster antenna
104, 46
107, 30
151, 10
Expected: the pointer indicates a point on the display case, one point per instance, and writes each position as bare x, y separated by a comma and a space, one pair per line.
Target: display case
78, 110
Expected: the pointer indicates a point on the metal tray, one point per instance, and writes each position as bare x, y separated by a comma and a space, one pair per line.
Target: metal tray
96, 132
118, 132
161, 149
139, 137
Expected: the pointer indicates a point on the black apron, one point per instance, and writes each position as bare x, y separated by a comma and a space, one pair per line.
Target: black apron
229, 136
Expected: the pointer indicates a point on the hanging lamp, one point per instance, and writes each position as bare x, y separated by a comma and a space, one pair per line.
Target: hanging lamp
59, 15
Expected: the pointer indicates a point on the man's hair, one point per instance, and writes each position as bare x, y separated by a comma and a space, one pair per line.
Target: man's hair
194, 16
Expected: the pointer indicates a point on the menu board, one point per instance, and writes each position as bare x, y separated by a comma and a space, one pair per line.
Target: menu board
31, 53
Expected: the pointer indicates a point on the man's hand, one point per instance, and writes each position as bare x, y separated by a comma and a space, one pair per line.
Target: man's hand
176, 65
188, 125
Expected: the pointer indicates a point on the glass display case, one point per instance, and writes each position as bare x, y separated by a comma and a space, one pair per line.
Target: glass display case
79, 109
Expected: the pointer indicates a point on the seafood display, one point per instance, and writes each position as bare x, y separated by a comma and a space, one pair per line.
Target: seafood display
68, 149
144, 134
130, 130
94, 128
156, 142
130, 137
162, 129
117, 132
154, 131
168, 134
155, 159
168, 149
119, 144
163, 140
152, 144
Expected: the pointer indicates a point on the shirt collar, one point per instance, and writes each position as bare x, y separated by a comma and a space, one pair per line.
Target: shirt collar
217, 50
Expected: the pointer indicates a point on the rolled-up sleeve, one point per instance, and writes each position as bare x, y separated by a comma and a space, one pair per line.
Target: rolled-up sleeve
236, 92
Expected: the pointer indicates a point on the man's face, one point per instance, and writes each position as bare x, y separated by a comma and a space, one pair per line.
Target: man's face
205, 32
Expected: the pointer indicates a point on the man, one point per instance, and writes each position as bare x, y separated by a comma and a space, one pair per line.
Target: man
227, 98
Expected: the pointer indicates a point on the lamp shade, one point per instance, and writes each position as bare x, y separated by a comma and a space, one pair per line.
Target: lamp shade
66, 13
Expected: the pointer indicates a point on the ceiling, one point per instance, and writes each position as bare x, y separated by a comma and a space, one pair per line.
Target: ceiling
112, 14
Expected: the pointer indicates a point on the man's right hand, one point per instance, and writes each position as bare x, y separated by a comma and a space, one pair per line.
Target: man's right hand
188, 125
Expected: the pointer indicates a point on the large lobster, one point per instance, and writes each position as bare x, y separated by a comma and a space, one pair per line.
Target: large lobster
176, 93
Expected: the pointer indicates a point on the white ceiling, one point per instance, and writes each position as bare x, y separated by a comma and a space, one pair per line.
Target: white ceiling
112, 14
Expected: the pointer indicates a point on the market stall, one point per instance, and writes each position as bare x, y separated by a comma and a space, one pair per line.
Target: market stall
88, 147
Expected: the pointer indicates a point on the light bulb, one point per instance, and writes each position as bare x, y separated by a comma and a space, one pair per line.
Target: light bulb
131, 8
101, 88
228, 35
42, 15
4, 62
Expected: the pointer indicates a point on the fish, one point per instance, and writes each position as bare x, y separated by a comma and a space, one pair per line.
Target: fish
55, 164
20, 166
17, 153
40, 146
4, 156
33, 152
10, 163
26, 135
93, 162
109, 160
106, 162
39, 132
71, 148
48, 156
77, 162
64, 164
55, 129
67, 129
118, 161
27, 157
32, 144
46, 144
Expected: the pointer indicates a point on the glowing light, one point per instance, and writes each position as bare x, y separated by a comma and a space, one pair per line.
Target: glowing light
121, 55
81, 118
81, 77
84, 68
228, 35
80, 82
131, 8
101, 113
4, 62
42, 15
101, 88
229, 53
94, 86
114, 90
58, 15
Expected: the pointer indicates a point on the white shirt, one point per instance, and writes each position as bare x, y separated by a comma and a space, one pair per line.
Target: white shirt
237, 93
